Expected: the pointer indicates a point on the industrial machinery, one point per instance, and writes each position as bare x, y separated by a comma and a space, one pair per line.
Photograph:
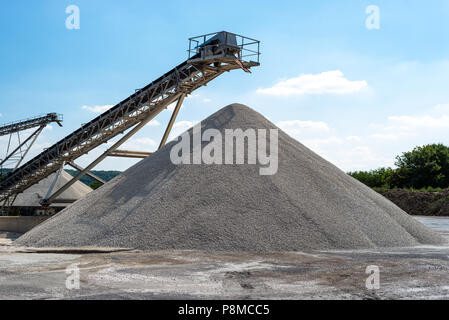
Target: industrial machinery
209, 56
14, 156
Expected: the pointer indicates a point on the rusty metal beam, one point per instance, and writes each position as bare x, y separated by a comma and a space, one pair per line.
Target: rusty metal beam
130, 154
90, 174
172, 120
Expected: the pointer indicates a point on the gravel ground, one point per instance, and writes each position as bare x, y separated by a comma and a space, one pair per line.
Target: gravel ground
308, 204
405, 273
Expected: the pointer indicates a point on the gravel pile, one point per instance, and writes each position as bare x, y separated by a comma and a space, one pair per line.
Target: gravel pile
31, 196
307, 204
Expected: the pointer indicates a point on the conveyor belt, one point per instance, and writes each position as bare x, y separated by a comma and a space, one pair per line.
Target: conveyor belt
30, 123
144, 103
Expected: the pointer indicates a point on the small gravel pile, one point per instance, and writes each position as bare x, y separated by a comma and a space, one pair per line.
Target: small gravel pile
307, 204
31, 196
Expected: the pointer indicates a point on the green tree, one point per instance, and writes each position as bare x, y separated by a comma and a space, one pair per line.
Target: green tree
400, 178
95, 185
424, 166
378, 178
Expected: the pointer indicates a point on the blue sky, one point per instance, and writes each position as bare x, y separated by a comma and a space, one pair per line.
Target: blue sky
356, 96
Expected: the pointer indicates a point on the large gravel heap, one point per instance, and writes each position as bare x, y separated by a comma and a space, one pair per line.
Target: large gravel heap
308, 204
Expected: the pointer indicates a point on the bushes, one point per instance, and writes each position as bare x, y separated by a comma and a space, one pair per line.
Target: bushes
425, 167
375, 178
95, 185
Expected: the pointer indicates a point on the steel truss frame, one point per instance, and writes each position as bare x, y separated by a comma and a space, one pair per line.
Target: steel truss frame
30, 123
15, 157
132, 113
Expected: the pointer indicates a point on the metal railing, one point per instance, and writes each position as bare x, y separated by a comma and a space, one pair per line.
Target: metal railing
249, 49
29, 123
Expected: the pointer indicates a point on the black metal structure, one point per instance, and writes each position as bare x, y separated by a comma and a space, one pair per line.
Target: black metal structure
14, 157
41, 120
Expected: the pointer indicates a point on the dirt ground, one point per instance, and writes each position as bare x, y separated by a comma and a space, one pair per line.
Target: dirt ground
405, 273
421, 203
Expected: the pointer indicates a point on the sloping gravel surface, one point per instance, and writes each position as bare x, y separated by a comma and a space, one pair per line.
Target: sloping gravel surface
307, 204
32, 196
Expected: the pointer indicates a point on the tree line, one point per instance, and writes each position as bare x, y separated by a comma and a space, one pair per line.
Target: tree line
422, 168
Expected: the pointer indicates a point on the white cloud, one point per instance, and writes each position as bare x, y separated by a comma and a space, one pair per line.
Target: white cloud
384, 141
316, 143
330, 82
179, 127
300, 125
154, 123
348, 152
354, 138
422, 121
302, 130
184, 124
384, 136
140, 144
435, 123
207, 100
97, 109
441, 108
172, 106
349, 155
145, 141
